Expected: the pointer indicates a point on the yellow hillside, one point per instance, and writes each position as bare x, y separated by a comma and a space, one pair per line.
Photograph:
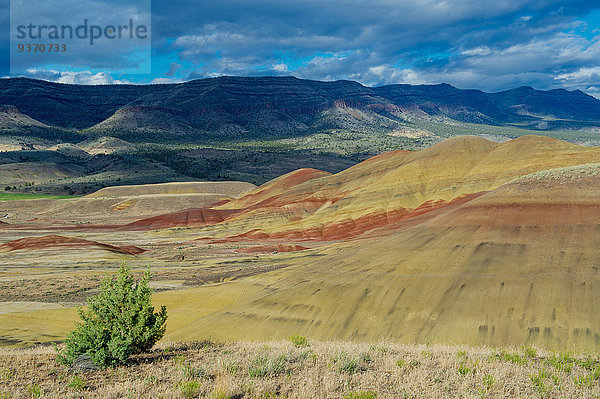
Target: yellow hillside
387, 188
518, 265
467, 242
232, 189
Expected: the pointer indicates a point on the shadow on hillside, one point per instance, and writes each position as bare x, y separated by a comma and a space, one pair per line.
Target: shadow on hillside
161, 354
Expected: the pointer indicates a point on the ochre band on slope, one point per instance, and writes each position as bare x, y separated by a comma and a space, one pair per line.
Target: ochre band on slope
389, 188
516, 266
60, 242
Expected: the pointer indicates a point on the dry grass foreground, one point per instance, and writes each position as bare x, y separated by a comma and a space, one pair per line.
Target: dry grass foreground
299, 368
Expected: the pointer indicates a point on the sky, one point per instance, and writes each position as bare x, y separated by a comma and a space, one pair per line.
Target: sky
471, 44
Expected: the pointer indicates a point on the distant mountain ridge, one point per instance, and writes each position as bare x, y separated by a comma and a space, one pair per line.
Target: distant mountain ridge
281, 106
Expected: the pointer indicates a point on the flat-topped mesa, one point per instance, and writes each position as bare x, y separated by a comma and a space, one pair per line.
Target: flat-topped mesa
281, 105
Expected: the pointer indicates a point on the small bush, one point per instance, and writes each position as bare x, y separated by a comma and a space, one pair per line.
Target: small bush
120, 321
382, 347
189, 372
488, 381
361, 395
230, 366
589, 379
562, 362
265, 365
344, 363
544, 382
190, 389
467, 366
584, 381
463, 369
34, 391
219, 394
512, 357
530, 352
299, 341
77, 383
589, 363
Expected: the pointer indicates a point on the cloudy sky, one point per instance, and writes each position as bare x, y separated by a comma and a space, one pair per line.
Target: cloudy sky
488, 45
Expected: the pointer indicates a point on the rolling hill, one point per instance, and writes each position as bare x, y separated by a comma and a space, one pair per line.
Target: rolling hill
254, 129
391, 188
517, 263
466, 242
12, 118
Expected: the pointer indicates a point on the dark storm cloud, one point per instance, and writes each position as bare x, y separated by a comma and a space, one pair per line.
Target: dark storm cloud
469, 43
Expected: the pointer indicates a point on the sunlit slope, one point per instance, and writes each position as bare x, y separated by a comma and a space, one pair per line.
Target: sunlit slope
125, 204
518, 265
229, 188
392, 186
515, 263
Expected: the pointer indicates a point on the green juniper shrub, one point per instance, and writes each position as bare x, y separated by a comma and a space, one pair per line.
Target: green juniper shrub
299, 341
119, 322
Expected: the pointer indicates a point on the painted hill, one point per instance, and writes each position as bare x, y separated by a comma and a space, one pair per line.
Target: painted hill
390, 188
226, 188
124, 204
517, 263
57, 242
466, 242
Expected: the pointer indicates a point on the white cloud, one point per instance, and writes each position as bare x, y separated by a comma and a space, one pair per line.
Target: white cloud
478, 51
281, 67
593, 91
467, 43
166, 80
71, 77
582, 74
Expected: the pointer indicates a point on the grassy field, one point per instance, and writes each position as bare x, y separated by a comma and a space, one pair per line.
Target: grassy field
300, 368
27, 196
